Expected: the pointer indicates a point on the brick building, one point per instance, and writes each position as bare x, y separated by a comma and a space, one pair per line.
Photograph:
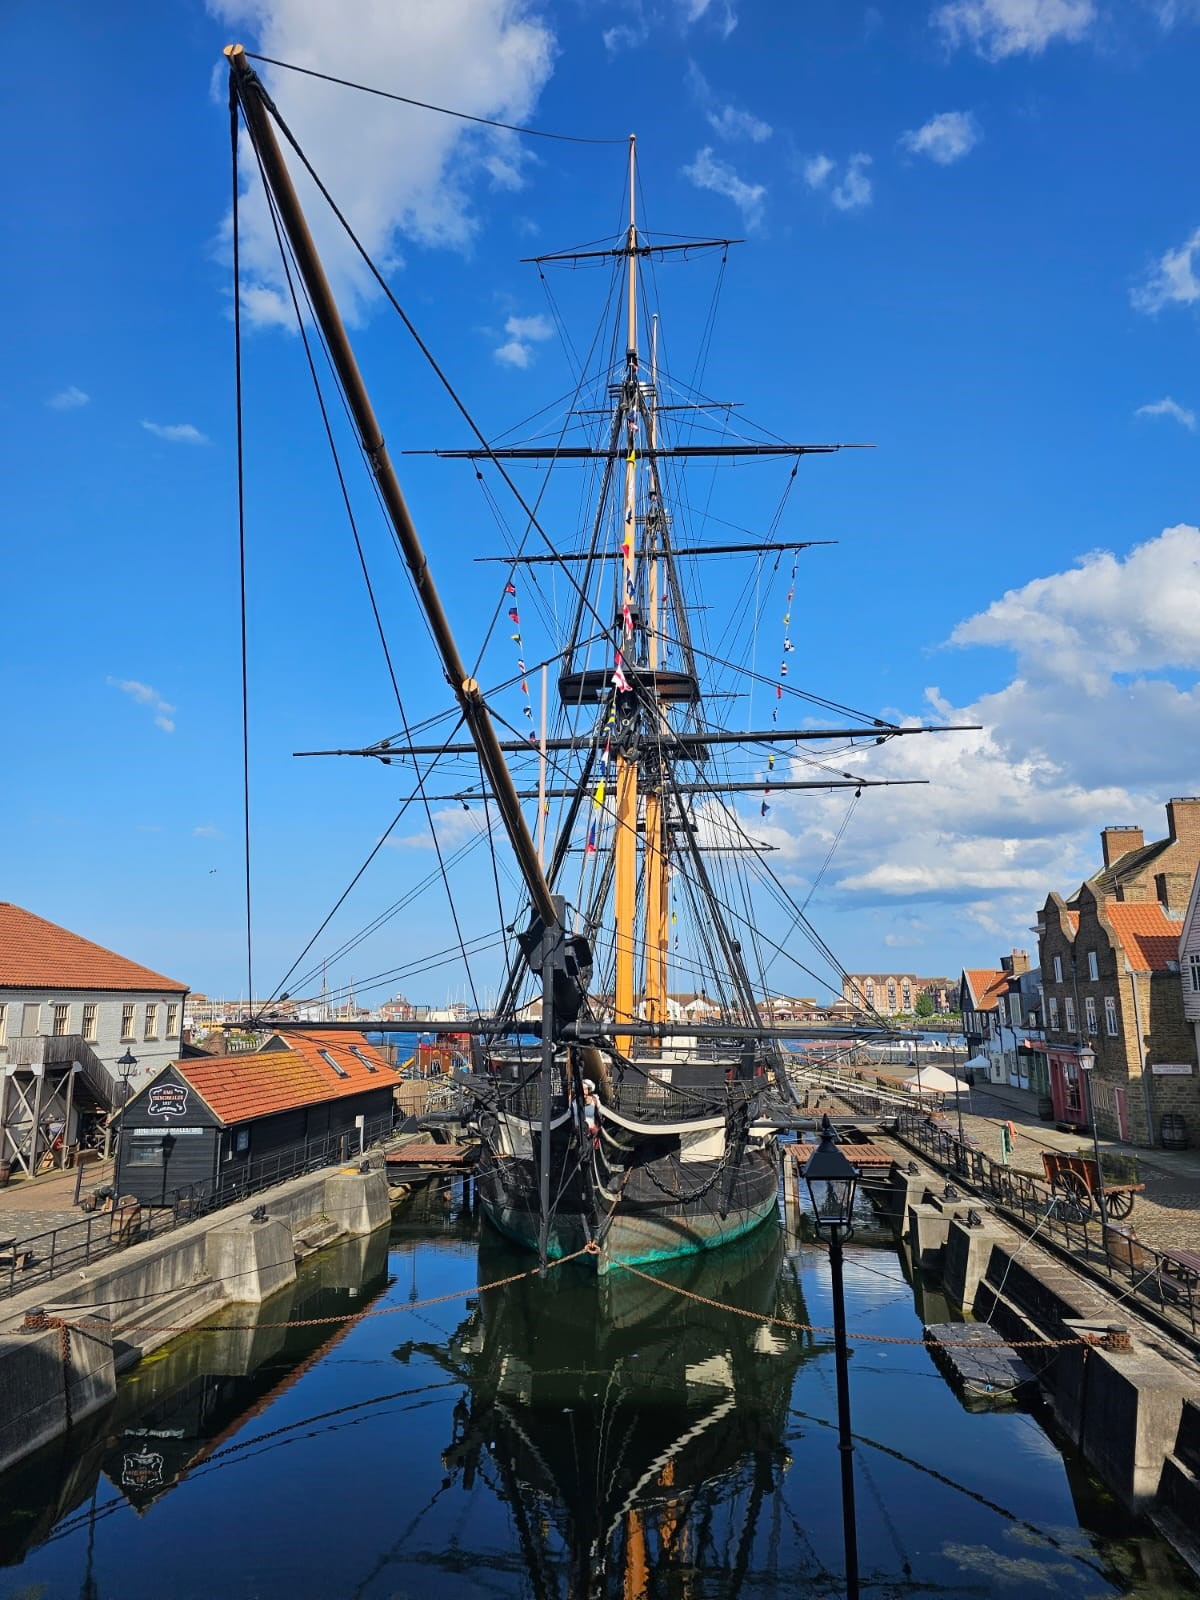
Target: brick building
896, 993
1110, 980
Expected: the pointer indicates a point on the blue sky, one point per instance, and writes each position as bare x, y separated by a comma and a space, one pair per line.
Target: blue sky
972, 238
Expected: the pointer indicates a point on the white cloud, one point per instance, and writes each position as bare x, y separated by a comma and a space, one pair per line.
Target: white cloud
945, 138
490, 58
625, 36
455, 826
1095, 725
995, 29
854, 191
207, 830
68, 399
709, 172
726, 120
523, 334
144, 695
1167, 407
1172, 281
816, 169
1171, 12
721, 13
176, 432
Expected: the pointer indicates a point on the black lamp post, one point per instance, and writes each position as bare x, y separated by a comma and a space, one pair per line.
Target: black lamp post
1086, 1058
831, 1182
125, 1066
168, 1145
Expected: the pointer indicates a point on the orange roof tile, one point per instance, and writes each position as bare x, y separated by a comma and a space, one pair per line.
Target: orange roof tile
239, 1088
1148, 936
36, 954
986, 986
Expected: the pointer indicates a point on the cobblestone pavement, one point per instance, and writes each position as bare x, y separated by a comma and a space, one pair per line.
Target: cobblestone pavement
1166, 1215
30, 1206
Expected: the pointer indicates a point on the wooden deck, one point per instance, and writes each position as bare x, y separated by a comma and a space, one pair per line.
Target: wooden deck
862, 1155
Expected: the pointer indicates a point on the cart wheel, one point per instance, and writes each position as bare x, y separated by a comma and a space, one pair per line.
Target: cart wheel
1119, 1205
1074, 1199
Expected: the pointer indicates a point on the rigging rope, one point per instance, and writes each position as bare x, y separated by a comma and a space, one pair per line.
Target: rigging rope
241, 505
425, 105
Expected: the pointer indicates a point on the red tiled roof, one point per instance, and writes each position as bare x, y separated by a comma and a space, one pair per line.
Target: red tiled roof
239, 1088
1149, 937
36, 954
986, 987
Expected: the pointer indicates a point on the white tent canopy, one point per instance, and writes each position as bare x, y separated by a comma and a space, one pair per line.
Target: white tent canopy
932, 1080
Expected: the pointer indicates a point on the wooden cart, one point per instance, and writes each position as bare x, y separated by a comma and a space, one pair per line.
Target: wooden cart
1076, 1182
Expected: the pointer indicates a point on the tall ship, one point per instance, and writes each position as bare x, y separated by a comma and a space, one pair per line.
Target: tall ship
628, 1082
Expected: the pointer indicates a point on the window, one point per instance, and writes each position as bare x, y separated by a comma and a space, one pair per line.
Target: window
1193, 969
1052, 1004
1110, 1015
151, 1022
1014, 1009
1089, 1013
340, 1070
3, 1025
144, 1154
31, 1021
1058, 969
1093, 966
241, 1141
1069, 1014
62, 1021
370, 1065
172, 1021
127, 1022
89, 1023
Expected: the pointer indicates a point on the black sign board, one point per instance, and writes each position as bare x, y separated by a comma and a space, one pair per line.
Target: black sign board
167, 1100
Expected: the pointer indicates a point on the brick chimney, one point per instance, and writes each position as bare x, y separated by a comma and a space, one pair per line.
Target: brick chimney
1115, 841
1020, 963
1174, 890
1183, 819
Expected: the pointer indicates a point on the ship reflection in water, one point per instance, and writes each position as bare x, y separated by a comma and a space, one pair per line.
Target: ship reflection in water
580, 1437
629, 1429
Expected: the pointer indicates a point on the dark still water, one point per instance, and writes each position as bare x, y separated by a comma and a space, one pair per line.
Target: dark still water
565, 1438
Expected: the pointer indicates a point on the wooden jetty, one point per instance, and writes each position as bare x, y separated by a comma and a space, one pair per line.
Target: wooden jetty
413, 1163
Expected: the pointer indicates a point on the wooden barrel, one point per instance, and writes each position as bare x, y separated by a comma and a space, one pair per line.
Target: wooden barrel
1174, 1131
1045, 1108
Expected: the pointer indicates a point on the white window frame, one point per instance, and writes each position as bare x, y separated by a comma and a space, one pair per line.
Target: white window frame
1093, 966
89, 1027
1110, 1016
172, 1019
1052, 1003
1089, 1014
3, 1025
60, 1024
128, 1023
1058, 969
1194, 970
150, 1023
1068, 1013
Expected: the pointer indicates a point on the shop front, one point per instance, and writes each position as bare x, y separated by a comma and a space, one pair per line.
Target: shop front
1067, 1087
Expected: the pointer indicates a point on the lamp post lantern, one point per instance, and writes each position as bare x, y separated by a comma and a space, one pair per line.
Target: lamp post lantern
1086, 1057
831, 1181
125, 1066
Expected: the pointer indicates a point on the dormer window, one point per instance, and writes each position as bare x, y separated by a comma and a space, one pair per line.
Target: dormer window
356, 1052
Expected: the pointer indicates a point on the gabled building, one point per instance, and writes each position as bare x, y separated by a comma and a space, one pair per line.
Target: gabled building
69, 1011
1111, 981
208, 1123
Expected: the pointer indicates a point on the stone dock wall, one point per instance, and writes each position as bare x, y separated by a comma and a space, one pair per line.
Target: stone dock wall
1130, 1404
62, 1344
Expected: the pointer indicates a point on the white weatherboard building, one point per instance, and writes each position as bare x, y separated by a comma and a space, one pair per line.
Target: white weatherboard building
69, 1011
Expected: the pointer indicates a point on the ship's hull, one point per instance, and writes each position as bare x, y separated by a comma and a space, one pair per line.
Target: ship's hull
658, 1210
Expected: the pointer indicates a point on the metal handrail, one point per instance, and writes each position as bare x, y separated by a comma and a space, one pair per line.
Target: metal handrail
76, 1244
1155, 1278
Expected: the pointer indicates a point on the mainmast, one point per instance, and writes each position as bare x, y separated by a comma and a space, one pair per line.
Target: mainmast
625, 855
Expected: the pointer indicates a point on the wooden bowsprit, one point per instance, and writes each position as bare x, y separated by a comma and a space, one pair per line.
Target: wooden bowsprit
1076, 1181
